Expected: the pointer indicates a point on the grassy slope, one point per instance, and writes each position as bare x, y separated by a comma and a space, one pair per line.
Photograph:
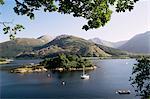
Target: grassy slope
12, 48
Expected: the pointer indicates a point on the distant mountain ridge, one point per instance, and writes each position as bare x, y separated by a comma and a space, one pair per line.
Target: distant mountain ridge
47, 46
45, 38
119, 43
102, 42
72, 45
69, 45
138, 44
14, 47
107, 43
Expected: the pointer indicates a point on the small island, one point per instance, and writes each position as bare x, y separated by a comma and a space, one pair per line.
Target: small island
61, 62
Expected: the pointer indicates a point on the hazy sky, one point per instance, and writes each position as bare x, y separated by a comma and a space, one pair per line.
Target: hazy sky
122, 26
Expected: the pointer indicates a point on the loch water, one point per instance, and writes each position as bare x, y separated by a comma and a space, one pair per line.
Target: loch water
110, 76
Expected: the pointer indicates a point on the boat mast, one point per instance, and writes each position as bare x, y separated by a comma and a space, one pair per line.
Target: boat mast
83, 70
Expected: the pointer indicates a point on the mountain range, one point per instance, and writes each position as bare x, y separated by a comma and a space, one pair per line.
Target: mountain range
102, 42
72, 45
61, 44
138, 44
107, 43
46, 46
14, 47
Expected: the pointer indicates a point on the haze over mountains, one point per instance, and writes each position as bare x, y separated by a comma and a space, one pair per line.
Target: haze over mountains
102, 42
138, 44
107, 43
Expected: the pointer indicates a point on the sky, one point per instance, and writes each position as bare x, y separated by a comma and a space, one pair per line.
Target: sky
122, 26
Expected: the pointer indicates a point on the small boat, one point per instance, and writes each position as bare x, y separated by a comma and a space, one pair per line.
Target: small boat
48, 75
123, 92
84, 75
63, 83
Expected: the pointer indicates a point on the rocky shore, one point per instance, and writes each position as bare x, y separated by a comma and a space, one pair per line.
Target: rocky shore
37, 68
74, 69
29, 69
5, 61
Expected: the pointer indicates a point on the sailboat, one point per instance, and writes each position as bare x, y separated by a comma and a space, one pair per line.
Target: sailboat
84, 75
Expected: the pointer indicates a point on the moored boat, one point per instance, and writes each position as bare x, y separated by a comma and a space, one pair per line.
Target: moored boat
123, 91
84, 75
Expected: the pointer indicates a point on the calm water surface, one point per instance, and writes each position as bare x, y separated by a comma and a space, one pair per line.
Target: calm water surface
111, 75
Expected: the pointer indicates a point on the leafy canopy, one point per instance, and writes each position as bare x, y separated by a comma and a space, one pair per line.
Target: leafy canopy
141, 77
12, 30
96, 12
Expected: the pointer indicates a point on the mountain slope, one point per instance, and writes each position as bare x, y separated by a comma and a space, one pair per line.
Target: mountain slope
113, 51
102, 42
14, 47
107, 43
45, 38
71, 45
119, 43
138, 44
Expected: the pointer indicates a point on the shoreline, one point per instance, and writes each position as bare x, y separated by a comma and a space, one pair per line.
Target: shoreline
28, 69
73, 69
38, 68
4, 62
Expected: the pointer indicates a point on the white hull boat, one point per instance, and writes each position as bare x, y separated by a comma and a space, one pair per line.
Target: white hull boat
84, 75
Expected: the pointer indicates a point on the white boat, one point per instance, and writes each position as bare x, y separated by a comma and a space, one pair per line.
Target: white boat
84, 75
10, 60
48, 75
63, 83
123, 91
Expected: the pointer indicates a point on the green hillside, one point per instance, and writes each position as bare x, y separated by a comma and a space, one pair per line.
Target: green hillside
72, 45
113, 51
76, 45
14, 47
